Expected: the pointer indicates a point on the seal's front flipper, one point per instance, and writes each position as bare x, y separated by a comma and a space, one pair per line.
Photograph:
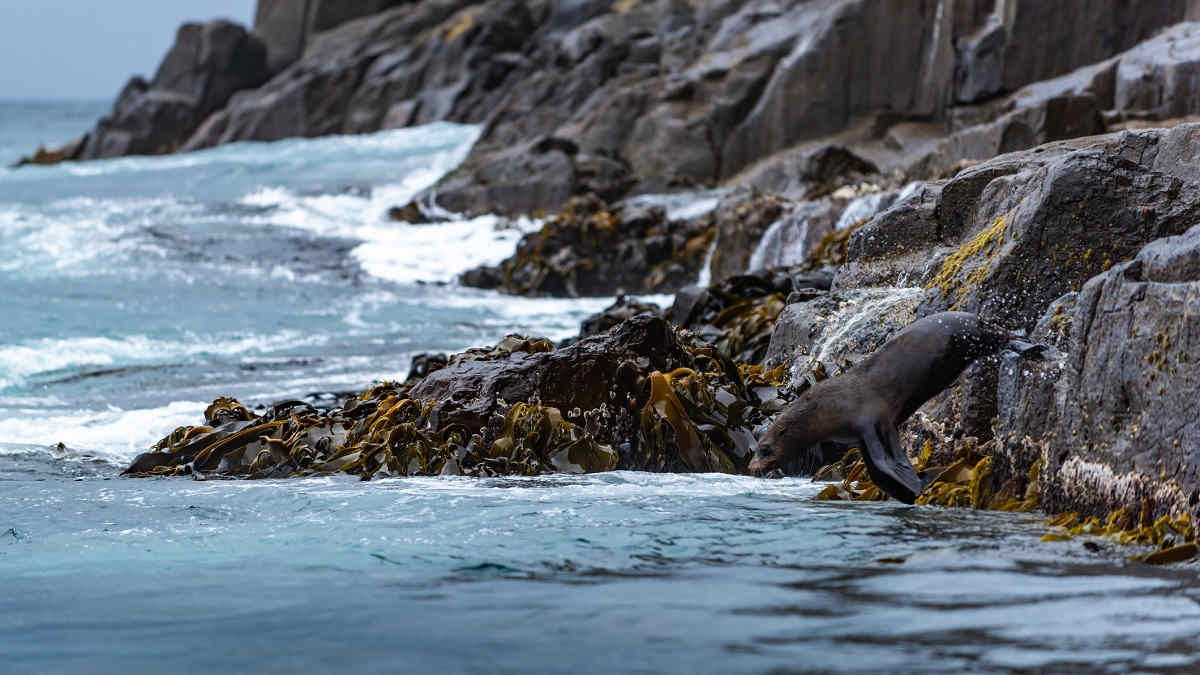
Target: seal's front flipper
887, 464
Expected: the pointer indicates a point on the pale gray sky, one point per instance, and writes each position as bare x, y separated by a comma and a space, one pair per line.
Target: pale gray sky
87, 49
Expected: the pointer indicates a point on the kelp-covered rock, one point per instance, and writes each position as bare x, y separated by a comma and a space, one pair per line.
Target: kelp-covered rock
738, 314
639, 396
592, 249
964, 480
968, 480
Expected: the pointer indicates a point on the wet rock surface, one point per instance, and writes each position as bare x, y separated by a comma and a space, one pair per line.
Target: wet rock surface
1118, 422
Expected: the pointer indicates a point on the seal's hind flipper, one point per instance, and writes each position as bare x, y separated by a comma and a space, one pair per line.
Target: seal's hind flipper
887, 464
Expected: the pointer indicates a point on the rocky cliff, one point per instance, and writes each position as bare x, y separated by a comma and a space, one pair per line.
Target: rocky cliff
646, 95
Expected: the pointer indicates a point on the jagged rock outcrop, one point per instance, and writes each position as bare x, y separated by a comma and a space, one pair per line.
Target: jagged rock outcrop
287, 25
1025, 41
668, 92
204, 67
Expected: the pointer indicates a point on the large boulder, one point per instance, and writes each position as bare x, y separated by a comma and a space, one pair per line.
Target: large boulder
1113, 421
1008, 236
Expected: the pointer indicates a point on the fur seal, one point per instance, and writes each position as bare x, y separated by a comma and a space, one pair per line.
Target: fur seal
865, 406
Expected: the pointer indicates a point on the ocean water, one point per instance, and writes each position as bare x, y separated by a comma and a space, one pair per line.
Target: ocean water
134, 291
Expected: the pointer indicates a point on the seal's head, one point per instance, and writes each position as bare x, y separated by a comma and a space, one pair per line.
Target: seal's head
785, 443
765, 459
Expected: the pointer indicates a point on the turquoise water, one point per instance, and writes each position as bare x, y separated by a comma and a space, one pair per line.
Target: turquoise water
136, 290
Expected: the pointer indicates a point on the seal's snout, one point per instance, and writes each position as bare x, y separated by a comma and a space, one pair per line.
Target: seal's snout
762, 461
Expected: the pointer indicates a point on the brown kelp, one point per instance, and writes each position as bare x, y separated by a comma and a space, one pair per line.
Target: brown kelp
967, 482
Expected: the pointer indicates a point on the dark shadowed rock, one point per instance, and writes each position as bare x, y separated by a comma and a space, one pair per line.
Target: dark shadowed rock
620, 311
424, 364
204, 67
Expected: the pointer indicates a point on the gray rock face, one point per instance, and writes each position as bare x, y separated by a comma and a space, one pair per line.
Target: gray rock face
204, 67
832, 330
1114, 420
1024, 41
286, 25
660, 94
1007, 237
1160, 79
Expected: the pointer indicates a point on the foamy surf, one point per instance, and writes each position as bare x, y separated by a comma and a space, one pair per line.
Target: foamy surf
20, 362
114, 435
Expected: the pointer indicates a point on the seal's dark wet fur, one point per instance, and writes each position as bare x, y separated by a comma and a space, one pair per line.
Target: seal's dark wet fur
865, 406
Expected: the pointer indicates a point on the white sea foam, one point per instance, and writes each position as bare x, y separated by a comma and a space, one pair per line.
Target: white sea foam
394, 250
64, 235
114, 434
20, 361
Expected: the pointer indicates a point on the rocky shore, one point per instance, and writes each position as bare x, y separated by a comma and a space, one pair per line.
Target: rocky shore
1035, 163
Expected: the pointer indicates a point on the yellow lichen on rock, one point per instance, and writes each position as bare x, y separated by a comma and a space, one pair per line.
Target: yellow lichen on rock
947, 278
